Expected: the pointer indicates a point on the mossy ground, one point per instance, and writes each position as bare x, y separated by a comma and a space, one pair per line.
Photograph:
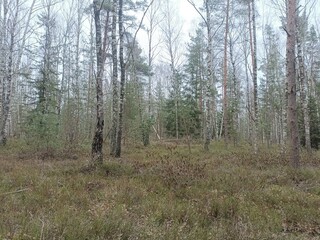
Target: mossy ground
153, 193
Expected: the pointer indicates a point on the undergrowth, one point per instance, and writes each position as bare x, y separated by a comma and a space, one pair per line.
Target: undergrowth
156, 193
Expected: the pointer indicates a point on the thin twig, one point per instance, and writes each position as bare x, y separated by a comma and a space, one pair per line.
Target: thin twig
139, 27
42, 228
13, 192
195, 7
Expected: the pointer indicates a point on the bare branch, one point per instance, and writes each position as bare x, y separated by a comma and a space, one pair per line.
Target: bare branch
198, 11
139, 27
17, 191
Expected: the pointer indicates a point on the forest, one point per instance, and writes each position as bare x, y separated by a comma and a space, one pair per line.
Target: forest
159, 119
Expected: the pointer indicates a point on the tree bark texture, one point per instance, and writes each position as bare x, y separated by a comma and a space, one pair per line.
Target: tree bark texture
253, 46
225, 77
7, 80
208, 129
7, 73
122, 80
97, 143
291, 78
115, 95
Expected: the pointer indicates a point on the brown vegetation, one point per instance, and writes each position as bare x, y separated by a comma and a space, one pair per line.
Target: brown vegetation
153, 193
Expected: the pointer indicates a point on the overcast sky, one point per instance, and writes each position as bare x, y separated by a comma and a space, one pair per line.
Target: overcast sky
267, 13
187, 17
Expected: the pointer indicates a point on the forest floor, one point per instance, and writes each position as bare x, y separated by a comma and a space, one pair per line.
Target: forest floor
156, 193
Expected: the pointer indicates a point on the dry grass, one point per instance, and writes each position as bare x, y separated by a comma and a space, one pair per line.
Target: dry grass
156, 193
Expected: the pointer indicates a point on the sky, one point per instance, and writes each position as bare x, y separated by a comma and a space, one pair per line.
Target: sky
188, 18
267, 13
189, 15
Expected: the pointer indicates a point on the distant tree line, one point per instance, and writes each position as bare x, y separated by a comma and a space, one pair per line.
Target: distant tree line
74, 74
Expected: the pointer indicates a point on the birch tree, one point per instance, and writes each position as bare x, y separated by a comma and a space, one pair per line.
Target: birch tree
253, 47
210, 92
97, 143
7, 68
12, 40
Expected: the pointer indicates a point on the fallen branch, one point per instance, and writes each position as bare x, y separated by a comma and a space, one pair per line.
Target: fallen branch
156, 132
13, 192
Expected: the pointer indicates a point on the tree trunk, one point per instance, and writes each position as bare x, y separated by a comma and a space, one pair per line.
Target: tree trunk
209, 96
225, 77
115, 97
291, 78
7, 93
97, 143
253, 46
7, 74
208, 129
122, 80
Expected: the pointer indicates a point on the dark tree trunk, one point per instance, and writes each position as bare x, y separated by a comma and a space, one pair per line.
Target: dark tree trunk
122, 80
115, 98
97, 143
208, 128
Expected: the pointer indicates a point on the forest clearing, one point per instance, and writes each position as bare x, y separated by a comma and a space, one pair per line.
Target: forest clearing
159, 119
153, 193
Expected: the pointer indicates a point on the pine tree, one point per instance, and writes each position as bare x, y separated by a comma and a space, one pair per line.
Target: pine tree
42, 123
291, 78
